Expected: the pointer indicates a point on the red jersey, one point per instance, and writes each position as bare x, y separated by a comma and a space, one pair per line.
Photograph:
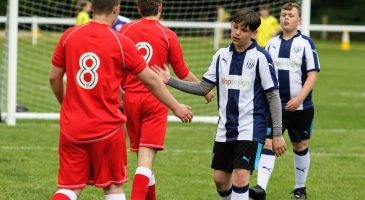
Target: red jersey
96, 59
158, 44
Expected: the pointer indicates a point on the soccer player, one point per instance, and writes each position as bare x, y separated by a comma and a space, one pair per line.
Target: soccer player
297, 65
269, 26
121, 20
147, 117
83, 9
248, 90
92, 147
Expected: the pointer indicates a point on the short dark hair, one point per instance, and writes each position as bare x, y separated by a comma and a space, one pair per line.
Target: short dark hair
248, 18
104, 6
149, 7
290, 6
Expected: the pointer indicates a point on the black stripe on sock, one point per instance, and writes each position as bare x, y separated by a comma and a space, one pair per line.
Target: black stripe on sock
225, 193
240, 190
268, 152
301, 153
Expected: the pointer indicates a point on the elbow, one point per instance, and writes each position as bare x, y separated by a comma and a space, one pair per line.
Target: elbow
52, 79
151, 83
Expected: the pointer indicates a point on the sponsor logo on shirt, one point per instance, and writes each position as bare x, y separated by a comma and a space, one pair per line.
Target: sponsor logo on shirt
286, 64
236, 82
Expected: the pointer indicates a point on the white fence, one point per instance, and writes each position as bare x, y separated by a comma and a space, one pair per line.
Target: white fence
217, 26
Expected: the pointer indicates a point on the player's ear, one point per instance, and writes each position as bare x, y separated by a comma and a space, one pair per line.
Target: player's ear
160, 8
139, 11
253, 34
116, 10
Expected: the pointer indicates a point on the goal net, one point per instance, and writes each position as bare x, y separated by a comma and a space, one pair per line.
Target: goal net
201, 25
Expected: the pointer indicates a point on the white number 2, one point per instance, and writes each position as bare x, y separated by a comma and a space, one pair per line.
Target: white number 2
88, 69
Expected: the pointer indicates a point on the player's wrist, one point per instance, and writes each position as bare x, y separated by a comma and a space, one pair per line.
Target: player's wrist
169, 81
277, 131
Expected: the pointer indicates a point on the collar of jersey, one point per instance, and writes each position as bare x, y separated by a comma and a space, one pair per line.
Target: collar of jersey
253, 45
296, 35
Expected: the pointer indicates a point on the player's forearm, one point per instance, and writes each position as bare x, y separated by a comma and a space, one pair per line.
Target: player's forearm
157, 87
273, 98
201, 88
308, 85
191, 77
160, 91
57, 88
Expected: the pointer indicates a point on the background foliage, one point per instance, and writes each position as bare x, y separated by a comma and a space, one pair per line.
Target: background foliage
337, 10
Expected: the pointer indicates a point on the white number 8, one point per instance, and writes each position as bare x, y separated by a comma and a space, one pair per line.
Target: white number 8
85, 69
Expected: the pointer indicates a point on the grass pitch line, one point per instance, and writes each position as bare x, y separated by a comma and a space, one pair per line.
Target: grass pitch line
209, 128
317, 154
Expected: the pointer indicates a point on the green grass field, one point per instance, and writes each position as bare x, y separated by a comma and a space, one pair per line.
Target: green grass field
28, 151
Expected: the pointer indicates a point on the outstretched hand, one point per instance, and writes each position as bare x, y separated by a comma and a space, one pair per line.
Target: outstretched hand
183, 112
164, 73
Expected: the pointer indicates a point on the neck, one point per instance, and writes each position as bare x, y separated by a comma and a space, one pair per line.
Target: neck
157, 17
289, 35
243, 48
104, 19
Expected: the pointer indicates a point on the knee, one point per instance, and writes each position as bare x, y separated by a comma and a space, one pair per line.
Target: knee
240, 177
300, 146
114, 189
222, 183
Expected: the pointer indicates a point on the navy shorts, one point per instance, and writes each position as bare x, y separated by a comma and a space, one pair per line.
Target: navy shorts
299, 124
236, 155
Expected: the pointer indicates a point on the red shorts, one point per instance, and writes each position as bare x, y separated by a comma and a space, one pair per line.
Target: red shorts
101, 163
146, 120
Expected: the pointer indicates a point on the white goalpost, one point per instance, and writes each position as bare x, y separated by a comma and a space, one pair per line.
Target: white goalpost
33, 29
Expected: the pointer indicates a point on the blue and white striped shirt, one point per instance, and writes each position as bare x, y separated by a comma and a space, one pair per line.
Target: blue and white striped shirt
121, 20
293, 59
242, 80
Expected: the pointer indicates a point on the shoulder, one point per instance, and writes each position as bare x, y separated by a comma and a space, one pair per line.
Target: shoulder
308, 40
263, 55
272, 41
166, 30
129, 26
272, 18
68, 32
224, 51
82, 14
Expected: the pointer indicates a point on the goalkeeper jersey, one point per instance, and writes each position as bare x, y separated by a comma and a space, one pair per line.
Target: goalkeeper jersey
293, 59
95, 58
268, 27
160, 47
82, 18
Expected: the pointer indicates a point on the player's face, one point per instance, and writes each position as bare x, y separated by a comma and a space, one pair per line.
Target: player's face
264, 13
241, 35
289, 20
